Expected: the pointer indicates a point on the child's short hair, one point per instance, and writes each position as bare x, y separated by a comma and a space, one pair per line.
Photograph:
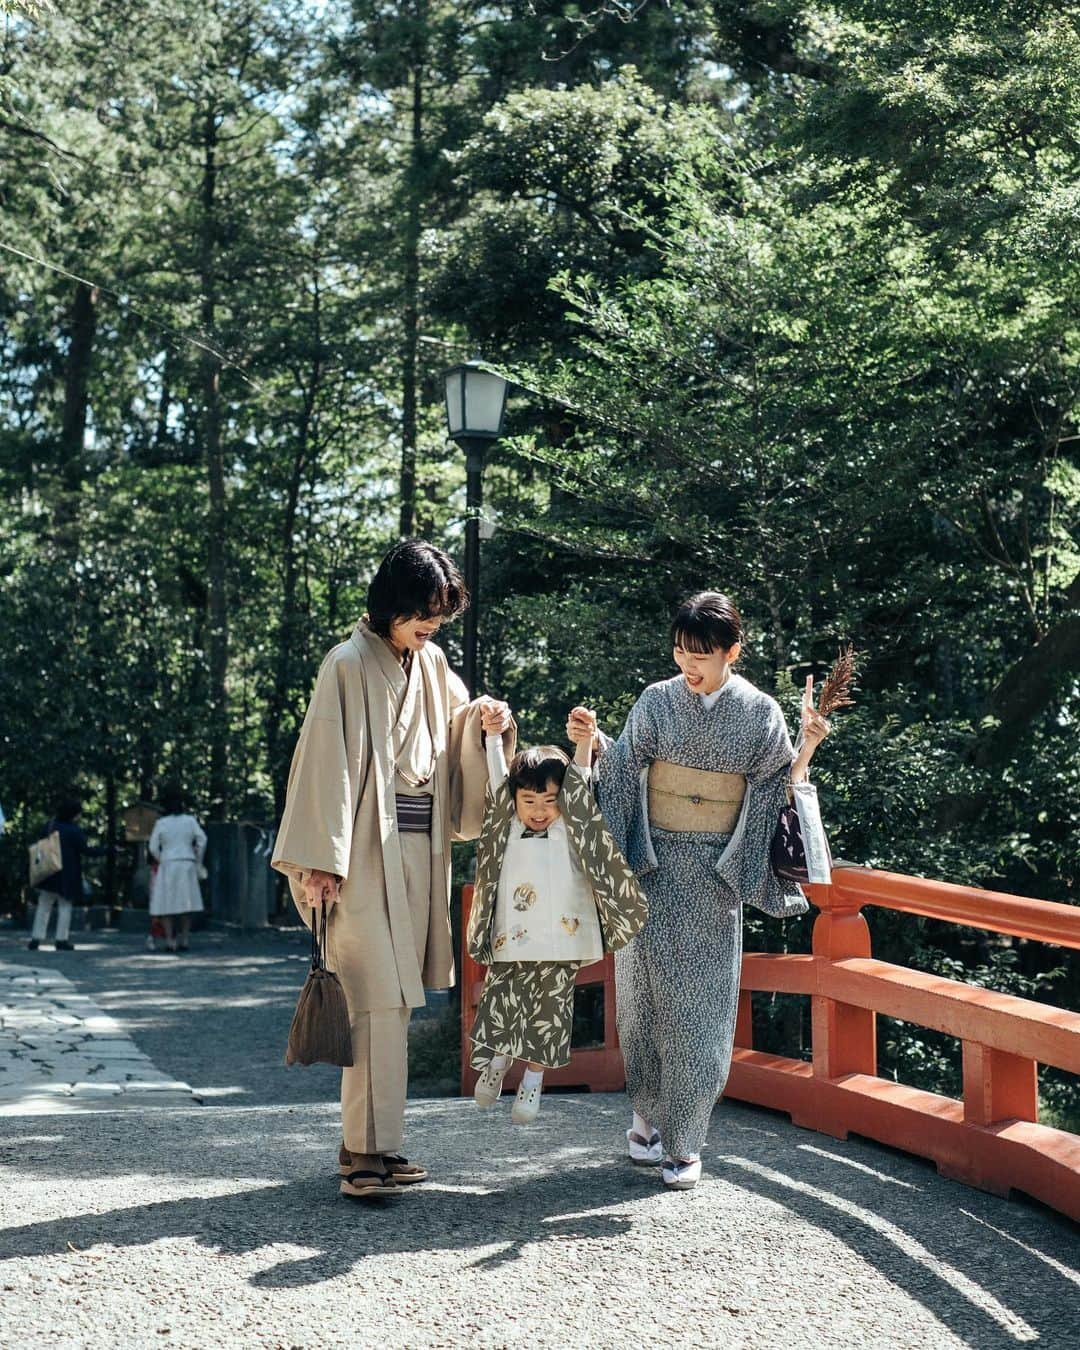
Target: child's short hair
533, 769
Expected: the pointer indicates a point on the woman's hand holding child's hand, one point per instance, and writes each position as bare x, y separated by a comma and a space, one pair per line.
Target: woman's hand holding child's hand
581, 729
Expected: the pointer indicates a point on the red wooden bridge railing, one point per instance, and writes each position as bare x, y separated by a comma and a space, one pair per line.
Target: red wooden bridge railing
992, 1138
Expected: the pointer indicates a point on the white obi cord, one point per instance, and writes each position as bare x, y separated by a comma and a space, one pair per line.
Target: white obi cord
545, 909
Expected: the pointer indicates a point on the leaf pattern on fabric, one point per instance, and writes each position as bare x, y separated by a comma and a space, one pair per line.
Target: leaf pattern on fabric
620, 902
526, 1011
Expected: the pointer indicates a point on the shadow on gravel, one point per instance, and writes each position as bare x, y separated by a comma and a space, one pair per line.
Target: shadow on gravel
309, 1213
996, 1274
216, 1017
990, 1288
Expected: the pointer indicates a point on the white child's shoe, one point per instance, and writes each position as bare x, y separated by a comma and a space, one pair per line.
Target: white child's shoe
489, 1085
527, 1102
678, 1174
642, 1151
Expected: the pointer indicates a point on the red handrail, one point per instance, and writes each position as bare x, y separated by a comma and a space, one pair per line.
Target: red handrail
994, 911
992, 1137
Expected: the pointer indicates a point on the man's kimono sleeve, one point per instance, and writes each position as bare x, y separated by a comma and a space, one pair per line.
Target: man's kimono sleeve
468, 761
325, 780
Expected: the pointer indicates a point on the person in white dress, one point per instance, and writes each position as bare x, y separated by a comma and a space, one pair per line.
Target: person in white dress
178, 844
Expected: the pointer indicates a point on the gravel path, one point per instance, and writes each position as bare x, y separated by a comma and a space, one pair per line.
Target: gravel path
220, 1225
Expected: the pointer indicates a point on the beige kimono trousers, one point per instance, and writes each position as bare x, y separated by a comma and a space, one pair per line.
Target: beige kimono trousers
340, 816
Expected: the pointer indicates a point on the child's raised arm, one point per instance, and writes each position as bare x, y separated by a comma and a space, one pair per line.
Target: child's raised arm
496, 762
583, 721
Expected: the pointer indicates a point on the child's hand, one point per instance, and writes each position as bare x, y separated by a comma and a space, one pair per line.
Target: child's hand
581, 726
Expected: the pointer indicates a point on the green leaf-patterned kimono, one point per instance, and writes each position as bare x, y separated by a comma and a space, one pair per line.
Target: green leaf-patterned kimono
526, 1010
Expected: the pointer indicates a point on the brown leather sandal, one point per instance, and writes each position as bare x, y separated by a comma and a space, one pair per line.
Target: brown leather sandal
404, 1172
362, 1183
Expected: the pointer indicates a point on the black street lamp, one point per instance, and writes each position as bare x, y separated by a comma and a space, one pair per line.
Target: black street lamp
475, 404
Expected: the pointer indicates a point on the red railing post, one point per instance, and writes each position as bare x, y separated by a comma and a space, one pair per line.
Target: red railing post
990, 1139
998, 1086
744, 1021
844, 1036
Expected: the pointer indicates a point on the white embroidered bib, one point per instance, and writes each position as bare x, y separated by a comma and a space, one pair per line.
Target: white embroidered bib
545, 909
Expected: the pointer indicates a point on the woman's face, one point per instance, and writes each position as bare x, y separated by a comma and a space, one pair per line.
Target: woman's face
705, 672
413, 635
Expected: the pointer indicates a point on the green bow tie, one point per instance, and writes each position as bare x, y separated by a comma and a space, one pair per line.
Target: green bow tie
534, 834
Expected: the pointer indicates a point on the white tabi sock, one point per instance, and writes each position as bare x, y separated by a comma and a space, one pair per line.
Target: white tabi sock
642, 1127
499, 1061
532, 1078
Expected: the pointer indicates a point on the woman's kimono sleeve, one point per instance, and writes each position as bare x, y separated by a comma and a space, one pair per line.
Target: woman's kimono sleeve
618, 781
746, 864
468, 761
316, 830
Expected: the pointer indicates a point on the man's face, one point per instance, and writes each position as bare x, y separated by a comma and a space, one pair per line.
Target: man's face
413, 635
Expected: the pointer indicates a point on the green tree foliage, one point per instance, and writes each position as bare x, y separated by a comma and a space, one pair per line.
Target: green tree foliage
788, 293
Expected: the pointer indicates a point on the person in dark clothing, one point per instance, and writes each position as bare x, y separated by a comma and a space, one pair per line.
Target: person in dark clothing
63, 888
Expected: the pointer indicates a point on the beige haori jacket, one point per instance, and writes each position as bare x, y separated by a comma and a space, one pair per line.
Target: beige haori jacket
340, 815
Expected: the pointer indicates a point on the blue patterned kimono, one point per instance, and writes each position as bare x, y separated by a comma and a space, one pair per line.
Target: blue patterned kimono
677, 982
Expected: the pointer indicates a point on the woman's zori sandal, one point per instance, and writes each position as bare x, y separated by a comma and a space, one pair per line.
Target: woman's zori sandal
680, 1174
642, 1151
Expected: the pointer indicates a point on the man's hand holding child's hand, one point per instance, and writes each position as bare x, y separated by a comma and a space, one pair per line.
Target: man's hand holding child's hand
494, 716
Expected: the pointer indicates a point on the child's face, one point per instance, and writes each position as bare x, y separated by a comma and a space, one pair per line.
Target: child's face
537, 810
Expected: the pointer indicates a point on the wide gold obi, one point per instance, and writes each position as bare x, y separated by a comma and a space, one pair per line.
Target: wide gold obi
682, 799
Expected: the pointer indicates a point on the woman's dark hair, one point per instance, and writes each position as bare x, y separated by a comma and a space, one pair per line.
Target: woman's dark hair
533, 769
172, 800
705, 623
415, 580
67, 808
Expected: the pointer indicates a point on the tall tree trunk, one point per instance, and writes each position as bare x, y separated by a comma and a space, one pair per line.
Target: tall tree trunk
81, 333
278, 742
217, 599
411, 296
110, 840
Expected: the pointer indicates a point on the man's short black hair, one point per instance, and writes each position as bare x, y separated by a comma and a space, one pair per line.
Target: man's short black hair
415, 580
172, 799
533, 770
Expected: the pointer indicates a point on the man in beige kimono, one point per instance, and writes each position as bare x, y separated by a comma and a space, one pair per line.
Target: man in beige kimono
388, 769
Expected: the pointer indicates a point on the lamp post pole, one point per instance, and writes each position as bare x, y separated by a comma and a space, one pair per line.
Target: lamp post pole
475, 405
474, 448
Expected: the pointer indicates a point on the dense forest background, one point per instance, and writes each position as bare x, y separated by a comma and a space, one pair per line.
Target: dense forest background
789, 296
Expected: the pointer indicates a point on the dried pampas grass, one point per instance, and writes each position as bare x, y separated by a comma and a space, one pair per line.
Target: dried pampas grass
836, 691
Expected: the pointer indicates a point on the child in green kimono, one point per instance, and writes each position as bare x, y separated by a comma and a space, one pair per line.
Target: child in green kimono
552, 894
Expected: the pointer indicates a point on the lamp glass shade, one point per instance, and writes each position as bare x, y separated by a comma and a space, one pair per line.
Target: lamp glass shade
475, 402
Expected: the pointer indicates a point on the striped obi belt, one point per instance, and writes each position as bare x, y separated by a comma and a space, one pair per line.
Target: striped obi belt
682, 799
413, 813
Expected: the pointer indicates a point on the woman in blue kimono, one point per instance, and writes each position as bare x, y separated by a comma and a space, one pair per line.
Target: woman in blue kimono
691, 792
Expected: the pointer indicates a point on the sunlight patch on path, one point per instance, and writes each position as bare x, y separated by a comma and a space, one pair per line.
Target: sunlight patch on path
59, 1052
979, 1297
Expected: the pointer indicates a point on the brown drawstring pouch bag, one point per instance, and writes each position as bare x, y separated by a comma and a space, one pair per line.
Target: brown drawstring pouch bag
320, 1031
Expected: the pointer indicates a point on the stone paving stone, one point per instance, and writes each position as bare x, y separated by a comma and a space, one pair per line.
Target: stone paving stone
58, 1046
